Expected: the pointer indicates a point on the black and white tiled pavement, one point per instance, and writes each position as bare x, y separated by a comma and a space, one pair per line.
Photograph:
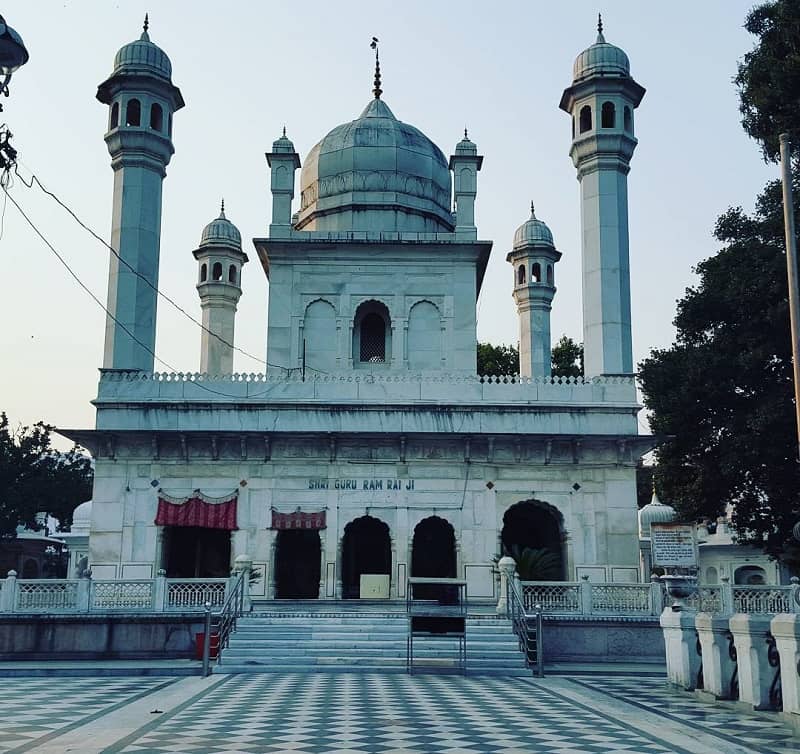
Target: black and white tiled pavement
390, 714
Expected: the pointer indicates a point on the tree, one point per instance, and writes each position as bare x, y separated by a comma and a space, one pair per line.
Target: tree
567, 358
722, 394
497, 360
769, 76
34, 477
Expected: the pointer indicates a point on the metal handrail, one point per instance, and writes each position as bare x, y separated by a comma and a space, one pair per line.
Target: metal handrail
530, 640
224, 621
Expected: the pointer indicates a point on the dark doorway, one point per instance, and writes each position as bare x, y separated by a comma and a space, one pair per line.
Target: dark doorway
192, 552
532, 535
433, 555
298, 556
366, 548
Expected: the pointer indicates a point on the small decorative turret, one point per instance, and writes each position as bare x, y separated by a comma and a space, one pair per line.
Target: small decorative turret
283, 160
465, 164
220, 258
601, 101
141, 99
533, 257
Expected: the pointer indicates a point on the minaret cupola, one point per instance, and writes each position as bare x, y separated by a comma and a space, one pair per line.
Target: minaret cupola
220, 259
533, 257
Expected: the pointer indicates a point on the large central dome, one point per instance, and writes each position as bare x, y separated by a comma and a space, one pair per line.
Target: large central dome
375, 173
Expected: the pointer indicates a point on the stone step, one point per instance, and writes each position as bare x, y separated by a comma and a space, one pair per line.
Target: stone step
366, 651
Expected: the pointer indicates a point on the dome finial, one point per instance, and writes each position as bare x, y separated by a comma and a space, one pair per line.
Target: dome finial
465, 133
146, 26
284, 130
600, 37
533, 211
377, 91
222, 209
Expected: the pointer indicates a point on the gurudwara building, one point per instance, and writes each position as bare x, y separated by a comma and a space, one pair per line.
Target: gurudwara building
370, 447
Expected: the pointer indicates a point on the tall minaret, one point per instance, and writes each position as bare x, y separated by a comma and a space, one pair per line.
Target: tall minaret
141, 99
220, 259
465, 164
533, 258
601, 101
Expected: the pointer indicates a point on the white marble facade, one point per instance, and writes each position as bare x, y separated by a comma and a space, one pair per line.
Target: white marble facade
371, 405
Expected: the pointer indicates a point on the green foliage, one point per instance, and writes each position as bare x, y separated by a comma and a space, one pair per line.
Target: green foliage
644, 483
723, 392
769, 76
536, 564
567, 358
34, 477
497, 360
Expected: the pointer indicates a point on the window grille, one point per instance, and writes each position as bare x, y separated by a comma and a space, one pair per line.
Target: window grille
373, 339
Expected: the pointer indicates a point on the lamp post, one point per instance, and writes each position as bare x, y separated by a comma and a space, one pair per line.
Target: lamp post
12, 55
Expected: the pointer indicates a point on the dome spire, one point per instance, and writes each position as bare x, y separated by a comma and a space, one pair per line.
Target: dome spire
600, 37
377, 91
533, 211
145, 27
222, 210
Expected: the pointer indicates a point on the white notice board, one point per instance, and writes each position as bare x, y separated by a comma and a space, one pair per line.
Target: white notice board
673, 545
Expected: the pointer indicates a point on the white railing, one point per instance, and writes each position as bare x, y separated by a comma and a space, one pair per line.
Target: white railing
192, 594
127, 595
763, 599
586, 598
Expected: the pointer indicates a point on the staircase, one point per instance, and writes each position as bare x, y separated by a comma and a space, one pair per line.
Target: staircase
369, 642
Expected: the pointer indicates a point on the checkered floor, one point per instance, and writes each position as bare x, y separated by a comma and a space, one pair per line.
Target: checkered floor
355, 714
34, 710
763, 731
375, 714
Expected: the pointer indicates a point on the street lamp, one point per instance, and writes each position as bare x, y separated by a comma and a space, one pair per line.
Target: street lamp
12, 55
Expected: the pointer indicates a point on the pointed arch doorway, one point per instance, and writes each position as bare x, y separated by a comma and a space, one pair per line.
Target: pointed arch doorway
533, 534
433, 555
366, 548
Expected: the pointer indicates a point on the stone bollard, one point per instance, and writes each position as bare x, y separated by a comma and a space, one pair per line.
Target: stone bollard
656, 595
719, 667
750, 634
680, 639
8, 594
506, 566
785, 627
160, 594
585, 595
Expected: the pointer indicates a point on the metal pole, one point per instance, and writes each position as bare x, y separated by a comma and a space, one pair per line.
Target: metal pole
791, 267
539, 642
207, 639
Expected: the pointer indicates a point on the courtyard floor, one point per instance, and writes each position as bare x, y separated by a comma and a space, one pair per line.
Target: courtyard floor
384, 714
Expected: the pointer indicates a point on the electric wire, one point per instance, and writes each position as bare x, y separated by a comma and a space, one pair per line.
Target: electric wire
88, 290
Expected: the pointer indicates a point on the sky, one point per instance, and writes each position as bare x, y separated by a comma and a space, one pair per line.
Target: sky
247, 69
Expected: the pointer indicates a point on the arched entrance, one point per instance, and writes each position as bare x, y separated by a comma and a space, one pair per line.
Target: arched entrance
298, 557
194, 552
366, 548
533, 535
433, 554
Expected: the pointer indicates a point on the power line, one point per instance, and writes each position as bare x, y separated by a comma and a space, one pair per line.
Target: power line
103, 306
64, 206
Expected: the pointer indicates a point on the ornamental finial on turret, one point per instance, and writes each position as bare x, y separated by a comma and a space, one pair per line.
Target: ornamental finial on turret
533, 211
145, 27
222, 210
377, 91
600, 37
284, 130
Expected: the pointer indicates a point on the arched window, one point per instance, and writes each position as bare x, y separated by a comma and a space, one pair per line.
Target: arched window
216, 271
115, 115
549, 274
232, 274
607, 115
536, 273
573, 126
133, 113
521, 275
371, 334
203, 272
628, 119
586, 119
156, 117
